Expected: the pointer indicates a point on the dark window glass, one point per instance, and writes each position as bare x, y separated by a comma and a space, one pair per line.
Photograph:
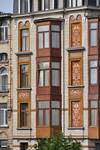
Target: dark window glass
24, 115
24, 75
55, 4
3, 80
23, 146
3, 114
24, 6
92, 2
93, 113
3, 31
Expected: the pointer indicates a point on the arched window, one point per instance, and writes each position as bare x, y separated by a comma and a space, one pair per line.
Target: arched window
3, 79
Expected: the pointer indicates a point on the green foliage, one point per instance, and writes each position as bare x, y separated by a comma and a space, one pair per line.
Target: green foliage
58, 142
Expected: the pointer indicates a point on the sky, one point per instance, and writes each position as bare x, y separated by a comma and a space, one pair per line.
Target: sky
6, 6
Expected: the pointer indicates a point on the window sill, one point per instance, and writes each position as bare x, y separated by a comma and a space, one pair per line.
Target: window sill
24, 88
78, 128
4, 126
75, 49
76, 86
24, 128
4, 92
24, 53
4, 42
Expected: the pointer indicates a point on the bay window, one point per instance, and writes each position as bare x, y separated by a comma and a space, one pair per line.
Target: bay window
48, 113
93, 72
44, 74
24, 76
93, 113
24, 115
43, 113
43, 36
3, 114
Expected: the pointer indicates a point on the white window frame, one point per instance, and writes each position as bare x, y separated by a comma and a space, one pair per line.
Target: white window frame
4, 30
4, 115
19, 10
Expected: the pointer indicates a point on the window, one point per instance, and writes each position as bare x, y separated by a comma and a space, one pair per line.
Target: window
93, 72
93, 113
24, 76
43, 4
3, 143
74, 3
55, 106
43, 36
55, 74
54, 4
92, 2
43, 113
3, 80
43, 74
3, 57
24, 40
93, 34
23, 146
4, 31
3, 114
25, 6
23, 115
55, 36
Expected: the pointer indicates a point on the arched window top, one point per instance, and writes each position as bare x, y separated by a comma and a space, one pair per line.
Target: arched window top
3, 71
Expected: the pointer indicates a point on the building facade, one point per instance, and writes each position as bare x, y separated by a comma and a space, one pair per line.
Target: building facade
50, 76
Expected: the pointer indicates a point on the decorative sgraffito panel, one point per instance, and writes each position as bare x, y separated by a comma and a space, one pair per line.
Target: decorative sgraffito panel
75, 72
76, 35
76, 114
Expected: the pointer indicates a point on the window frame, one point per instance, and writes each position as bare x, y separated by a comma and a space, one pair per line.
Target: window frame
90, 113
43, 36
4, 27
5, 110
4, 79
26, 118
96, 29
90, 68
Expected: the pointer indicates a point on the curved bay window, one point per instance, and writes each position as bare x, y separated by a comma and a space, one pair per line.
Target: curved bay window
3, 80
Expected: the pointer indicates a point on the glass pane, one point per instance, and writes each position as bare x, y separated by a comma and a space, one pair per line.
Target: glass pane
93, 38
93, 117
24, 6
55, 27
93, 25
40, 40
55, 104
46, 40
43, 104
41, 82
94, 104
25, 42
2, 34
55, 40
93, 63
93, 76
1, 117
46, 78
79, 2
74, 3
55, 78
44, 65
55, 65
46, 4
24, 33
46, 117
40, 117
55, 117
24, 76
6, 33
43, 28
